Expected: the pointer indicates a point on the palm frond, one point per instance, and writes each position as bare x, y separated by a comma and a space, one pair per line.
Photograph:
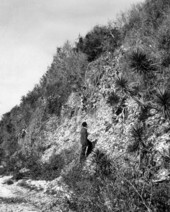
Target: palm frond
135, 89
137, 132
133, 147
103, 163
113, 99
162, 99
140, 63
122, 84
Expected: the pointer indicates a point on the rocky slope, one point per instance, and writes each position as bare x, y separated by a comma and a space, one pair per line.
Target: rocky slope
124, 98
110, 128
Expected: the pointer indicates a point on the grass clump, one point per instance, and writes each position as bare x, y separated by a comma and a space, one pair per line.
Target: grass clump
116, 185
113, 99
140, 63
162, 99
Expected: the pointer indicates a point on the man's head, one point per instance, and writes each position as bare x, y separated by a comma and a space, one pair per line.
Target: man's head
84, 124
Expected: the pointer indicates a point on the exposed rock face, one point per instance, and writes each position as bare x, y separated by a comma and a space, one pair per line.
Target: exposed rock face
112, 131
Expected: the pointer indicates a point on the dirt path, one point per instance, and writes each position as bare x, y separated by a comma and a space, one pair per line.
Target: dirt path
14, 198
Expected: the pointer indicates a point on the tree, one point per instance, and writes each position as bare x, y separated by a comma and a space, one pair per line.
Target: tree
99, 40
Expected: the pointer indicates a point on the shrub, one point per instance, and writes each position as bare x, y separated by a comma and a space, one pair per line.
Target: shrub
124, 190
161, 196
137, 133
166, 59
99, 40
133, 147
131, 20
154, 11
103, 163
163, 41
51, 170
31, 99
113, 99
54, 105
140, 63
122, 84
92, 43
162, 99
164, 38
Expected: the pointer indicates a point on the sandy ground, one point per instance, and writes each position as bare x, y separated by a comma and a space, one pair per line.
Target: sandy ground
14, 198
5, 192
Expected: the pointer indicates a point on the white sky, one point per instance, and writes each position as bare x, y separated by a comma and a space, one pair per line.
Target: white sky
30, 32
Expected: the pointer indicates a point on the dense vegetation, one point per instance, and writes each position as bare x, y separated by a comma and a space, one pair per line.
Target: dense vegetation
142, 37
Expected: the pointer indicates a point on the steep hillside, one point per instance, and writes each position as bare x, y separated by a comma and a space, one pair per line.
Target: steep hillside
116, 79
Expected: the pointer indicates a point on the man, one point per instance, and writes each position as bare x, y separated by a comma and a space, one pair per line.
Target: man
86, 144
23, 133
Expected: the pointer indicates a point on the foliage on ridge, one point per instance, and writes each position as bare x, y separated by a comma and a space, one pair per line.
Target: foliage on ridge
123, 64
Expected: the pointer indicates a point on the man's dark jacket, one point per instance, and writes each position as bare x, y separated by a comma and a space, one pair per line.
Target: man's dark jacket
83, 136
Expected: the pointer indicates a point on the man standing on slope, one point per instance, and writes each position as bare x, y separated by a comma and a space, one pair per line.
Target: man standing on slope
86, 144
